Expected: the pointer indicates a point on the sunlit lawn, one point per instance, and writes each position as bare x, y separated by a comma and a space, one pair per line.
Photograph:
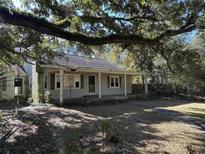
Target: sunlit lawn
192, 110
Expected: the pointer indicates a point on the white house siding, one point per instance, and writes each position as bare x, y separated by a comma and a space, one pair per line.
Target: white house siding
8, 94
73, 92
115, 91
77, 93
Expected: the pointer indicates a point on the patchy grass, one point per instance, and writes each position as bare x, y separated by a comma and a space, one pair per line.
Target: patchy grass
192, 110
160, 126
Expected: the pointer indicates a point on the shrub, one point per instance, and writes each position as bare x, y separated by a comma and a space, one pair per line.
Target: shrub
30, 100
69, 142
47, 97
190, 150
112, 132
105, 126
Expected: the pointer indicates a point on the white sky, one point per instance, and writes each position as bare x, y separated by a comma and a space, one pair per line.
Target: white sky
17, 3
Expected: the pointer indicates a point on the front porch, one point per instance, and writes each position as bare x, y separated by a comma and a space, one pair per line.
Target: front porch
65, 84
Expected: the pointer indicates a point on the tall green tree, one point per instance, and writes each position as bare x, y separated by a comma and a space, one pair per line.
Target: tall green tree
142, 27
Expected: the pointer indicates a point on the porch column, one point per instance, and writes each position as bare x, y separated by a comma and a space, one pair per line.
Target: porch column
125, 77
99, 84
145, 85
35, 84
61, 86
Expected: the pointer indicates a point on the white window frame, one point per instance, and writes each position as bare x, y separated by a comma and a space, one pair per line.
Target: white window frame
56, 74
74, 76
114, 78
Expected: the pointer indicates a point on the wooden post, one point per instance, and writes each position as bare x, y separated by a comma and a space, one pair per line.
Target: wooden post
99, 85
61, 86
125, 77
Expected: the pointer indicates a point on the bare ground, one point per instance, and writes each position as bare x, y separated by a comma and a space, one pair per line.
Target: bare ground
163, 126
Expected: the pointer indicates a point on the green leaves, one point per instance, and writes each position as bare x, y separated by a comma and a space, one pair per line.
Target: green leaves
75, 23
18, 45
143, 2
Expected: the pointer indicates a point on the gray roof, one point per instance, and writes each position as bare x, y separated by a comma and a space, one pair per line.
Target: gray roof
17, 69
75, 62
13, 68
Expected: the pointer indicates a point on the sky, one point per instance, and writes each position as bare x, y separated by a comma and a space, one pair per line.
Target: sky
191, 35
17, 3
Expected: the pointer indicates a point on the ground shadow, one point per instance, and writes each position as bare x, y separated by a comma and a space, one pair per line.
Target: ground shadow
118, 108
10, 105
40, 126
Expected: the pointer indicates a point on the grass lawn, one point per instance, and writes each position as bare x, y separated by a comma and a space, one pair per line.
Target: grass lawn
160, 126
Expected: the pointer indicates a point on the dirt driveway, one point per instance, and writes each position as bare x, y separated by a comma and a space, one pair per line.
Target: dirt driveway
163, 126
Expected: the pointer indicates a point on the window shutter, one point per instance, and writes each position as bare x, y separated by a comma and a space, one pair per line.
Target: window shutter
4, 88
108, 81
82, 81
120, 78
53, 81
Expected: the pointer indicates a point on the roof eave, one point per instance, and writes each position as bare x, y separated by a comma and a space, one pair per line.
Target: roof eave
95, 70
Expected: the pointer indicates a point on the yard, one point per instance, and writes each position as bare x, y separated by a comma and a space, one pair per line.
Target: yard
159, 126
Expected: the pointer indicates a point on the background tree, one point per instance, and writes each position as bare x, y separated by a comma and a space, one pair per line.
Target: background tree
93, 22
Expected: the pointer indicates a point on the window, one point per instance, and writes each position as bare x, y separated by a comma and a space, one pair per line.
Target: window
58, 84
77, 80
4, 84
114, 82
18, 82
52, 81
45, 81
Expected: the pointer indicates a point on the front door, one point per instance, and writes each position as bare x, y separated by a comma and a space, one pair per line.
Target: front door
91, 84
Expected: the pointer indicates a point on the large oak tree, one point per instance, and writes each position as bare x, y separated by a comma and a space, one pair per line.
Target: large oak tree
144, 27
97, 22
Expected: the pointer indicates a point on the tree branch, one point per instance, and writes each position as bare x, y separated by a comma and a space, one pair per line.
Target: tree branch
187, 27
45, 27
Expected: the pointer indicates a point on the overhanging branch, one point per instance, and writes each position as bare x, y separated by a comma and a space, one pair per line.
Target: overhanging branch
45, 27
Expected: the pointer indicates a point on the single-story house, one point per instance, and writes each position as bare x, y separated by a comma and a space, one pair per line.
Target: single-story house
68, 77
78, 76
